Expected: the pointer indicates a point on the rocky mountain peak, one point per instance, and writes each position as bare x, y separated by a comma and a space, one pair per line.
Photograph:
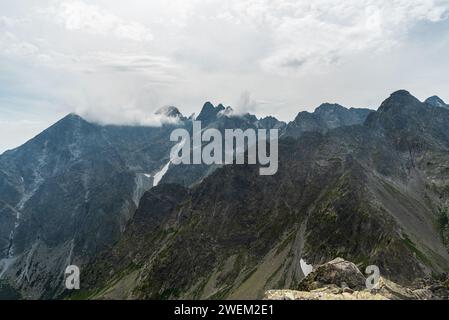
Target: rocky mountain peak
403, 114
227, 112
169, 111
209, 112
207, 107
74, 117
329, 107
62, 131
401, 92
436, 101
399, 99
221, 107
272, 123
326, 117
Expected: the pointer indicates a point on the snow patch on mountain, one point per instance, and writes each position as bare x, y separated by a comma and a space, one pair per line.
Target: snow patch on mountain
306, 268
160, 174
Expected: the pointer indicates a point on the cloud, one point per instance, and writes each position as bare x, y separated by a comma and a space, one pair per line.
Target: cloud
246, 104
310, 34
76, 15
12, 46
126, 115
8, 22
157, 66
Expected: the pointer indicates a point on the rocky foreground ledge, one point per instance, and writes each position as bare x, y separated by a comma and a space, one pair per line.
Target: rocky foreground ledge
342, 280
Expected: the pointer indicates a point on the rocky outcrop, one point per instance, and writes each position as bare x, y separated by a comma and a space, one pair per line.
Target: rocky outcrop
337, 271
342, 280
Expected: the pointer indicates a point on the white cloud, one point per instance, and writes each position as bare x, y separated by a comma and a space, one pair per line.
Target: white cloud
317, 33
125, 115
76, 15
246, 104
128, 62
8, 22
12, 46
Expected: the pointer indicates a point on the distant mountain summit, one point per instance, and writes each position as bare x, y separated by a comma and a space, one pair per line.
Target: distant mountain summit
400, 99
209, 112
326, 117
436, 102
170, 112
410, 122
335, 115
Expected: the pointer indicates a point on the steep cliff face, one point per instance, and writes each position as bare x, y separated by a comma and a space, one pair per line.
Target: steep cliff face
358, 192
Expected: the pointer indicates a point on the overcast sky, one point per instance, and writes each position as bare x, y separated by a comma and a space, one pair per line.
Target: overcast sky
118, 61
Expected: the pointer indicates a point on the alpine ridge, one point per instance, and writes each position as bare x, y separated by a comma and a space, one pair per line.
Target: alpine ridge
372, 193
368, 186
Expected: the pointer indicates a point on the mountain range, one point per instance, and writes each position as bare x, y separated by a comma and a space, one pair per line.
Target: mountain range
368, 186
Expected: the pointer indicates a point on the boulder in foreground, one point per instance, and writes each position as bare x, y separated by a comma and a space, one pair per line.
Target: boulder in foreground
342, 280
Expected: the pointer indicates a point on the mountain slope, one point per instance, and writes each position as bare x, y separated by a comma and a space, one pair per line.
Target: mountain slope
372, 194
69, 192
